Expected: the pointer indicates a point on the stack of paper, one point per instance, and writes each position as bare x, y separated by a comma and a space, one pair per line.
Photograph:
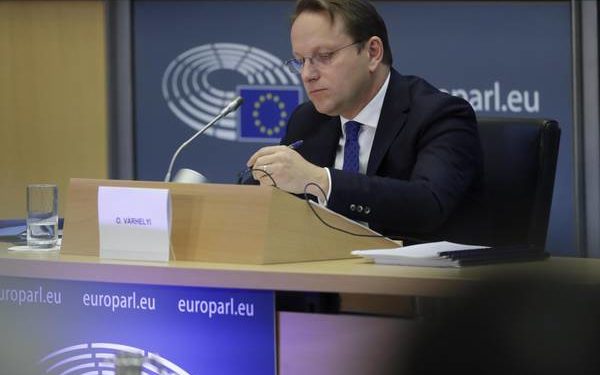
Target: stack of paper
448, 254
427, 254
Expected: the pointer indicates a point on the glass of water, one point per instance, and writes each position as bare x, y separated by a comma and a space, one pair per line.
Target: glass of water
42, 216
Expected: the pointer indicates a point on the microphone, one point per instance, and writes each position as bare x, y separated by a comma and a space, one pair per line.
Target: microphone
224, 112
235, 104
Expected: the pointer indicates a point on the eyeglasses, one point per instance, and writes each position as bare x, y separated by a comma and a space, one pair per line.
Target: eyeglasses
318, 59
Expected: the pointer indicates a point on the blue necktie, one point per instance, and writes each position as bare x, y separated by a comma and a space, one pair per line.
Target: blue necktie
351, 147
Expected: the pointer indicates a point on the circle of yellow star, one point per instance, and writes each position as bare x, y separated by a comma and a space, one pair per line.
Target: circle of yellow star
264, 128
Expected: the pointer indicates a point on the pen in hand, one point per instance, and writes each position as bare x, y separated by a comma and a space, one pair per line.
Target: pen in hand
296, 144
293, 146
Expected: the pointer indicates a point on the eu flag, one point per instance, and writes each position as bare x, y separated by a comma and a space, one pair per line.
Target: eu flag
266, 111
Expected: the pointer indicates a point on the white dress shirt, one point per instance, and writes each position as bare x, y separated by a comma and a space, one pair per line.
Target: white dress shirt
369, 118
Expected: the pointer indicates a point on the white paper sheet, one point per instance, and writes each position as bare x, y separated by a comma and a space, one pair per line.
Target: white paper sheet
426, 254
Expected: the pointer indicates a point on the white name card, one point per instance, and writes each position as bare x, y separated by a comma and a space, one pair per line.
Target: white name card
134, 223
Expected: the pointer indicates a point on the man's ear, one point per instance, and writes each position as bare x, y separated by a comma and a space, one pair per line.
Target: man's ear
374, 47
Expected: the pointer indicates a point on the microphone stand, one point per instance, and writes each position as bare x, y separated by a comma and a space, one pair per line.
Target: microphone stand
230, 108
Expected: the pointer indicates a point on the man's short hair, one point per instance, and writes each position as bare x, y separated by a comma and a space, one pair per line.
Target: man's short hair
360, 18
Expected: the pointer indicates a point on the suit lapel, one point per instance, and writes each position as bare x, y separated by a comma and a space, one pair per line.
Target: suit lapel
391, 120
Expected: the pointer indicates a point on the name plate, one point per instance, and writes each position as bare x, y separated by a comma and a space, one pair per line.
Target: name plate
134, 223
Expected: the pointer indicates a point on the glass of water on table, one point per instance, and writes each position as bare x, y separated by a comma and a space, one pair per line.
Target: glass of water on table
42, 216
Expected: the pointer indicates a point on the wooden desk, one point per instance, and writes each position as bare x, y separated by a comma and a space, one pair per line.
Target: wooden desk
342, 276
309, 343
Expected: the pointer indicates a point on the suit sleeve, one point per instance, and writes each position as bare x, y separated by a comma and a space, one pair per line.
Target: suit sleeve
446, 159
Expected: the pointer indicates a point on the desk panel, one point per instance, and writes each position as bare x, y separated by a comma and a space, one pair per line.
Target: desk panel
311, 343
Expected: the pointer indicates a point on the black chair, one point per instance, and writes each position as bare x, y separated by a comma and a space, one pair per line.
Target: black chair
519, 166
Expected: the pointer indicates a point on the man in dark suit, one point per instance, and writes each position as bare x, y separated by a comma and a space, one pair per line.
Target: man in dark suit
386, 149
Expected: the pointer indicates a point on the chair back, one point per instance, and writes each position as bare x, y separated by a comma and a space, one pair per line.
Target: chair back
519, 167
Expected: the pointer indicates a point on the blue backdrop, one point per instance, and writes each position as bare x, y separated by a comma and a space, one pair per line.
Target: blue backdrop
506, 58
58, 327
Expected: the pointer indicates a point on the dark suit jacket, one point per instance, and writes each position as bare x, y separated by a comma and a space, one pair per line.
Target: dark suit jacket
425, 169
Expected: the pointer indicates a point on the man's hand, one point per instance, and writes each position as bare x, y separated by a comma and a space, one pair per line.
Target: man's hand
289, 169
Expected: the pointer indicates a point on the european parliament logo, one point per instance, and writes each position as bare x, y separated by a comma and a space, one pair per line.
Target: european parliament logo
265, 112
101, 358
199, 82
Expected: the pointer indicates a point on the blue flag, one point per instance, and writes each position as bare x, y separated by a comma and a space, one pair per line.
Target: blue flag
266, 111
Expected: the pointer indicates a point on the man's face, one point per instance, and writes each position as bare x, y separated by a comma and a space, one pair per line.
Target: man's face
341, 87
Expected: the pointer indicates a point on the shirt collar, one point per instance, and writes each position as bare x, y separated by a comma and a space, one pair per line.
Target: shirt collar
369, 116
